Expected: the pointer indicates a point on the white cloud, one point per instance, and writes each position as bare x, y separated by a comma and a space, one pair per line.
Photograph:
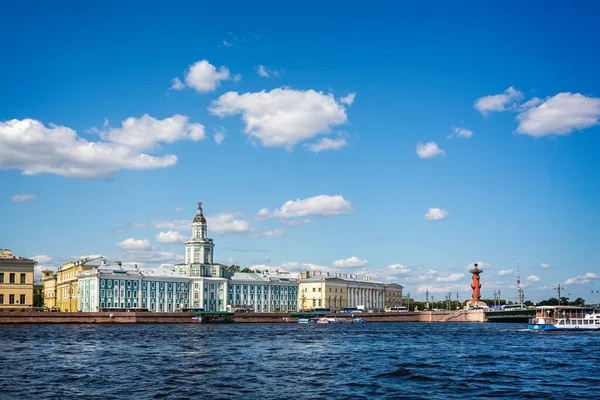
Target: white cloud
450, 278
399, 269
33, 148
327, 144
428, 150
146, 132
219, 134
42, 259
323, 206
204, 77
176, 225
171, 237
442, 289
504, 272
17, 198
296, 266
350, 262
105, 124
582, 279
498, 102
533, 278
274, 233
348, 100
176, 84
282, 117
436, 214
295, 222
531, 103
560, 115
226, 223
461, 133
135, 244
544, 265
265, 72
237, 77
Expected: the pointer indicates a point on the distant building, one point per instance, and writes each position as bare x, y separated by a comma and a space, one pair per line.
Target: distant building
67, 285
16, 280
49, 282
336, 291
110, 285
209, 288
393, 295
263, 291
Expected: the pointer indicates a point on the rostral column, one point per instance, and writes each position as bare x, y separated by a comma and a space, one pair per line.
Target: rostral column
476, 285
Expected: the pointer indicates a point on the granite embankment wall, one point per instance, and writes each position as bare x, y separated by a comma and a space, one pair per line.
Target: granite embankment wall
30, 317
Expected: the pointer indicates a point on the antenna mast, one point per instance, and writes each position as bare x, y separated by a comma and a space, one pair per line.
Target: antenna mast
519, 289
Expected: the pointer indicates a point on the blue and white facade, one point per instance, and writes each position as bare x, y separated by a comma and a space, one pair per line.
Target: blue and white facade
109, 285
264, 291
208, 287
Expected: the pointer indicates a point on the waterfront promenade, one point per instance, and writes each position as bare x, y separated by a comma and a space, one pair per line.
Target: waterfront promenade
33, 317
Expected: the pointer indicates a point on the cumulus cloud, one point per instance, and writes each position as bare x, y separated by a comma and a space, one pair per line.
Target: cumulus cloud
582, 279
33, 148
274, 233
436, 214
176, 84
297, 222
428, 150
544, 265
205, 77
327, 144
171, 237
450, 278
282, 117
18, 198
322, 206
350, 262
219, 134
135, 244
461, 133
504, 272
227, 223
265, 72
348, 100
399, 269
296, 266
560, 115
533, 278
176, 225
498, 102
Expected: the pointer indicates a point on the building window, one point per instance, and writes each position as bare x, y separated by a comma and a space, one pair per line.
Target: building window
1, 277
102, 293
1, 299
11, 298
135, 293
143, 293
102, 305
129, 293
109, 284
314, 289
22, 278
12, 278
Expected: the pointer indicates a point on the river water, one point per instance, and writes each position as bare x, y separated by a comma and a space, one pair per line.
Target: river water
291, 361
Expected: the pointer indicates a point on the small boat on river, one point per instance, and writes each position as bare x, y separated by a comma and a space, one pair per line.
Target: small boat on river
565, 318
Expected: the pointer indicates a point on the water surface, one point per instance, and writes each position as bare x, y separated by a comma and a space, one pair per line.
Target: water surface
289, 361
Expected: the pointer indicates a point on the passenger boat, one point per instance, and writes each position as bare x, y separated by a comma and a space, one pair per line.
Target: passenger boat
565, 318
307, 320
323, 320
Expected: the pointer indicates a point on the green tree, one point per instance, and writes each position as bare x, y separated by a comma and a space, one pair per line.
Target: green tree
246, 270
231, 268
38, 297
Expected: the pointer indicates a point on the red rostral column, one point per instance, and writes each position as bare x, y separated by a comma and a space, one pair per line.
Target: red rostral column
475, 284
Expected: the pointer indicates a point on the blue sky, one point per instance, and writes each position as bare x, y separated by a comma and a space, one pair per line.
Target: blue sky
115, 119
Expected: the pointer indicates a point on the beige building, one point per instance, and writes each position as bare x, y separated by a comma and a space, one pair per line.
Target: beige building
16, 280
49, 281
393, 295
67, 284
338, 291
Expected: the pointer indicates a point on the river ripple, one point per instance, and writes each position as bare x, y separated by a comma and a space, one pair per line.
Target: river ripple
290, 361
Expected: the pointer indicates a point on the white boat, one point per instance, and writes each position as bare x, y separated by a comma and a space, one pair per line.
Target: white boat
565, 318
323, 321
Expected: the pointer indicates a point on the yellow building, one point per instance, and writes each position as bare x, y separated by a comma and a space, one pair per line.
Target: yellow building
16, 280
49, 280
338, 291
67, 288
